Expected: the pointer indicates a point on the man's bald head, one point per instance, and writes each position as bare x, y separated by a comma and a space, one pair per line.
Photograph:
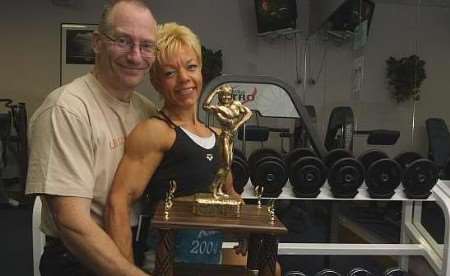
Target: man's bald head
105, 24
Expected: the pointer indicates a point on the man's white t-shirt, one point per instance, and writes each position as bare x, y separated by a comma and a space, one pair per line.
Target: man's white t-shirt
76, 140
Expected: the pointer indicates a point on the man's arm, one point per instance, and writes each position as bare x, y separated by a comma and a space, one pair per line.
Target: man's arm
85, 239
143, 152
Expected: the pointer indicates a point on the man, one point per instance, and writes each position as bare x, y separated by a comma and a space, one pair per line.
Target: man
77, 140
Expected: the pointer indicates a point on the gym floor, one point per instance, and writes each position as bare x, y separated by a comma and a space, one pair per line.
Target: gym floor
306, 221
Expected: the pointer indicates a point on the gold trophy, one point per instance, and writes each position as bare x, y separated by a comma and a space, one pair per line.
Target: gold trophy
168, 202
259, 190
271, 210
231, 115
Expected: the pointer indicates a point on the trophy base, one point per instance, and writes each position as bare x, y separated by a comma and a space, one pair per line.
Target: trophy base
206, 205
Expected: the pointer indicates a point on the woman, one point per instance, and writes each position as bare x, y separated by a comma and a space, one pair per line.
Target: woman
174, 145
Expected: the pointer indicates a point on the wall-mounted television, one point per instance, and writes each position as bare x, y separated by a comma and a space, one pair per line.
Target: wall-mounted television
351, 14
274, 15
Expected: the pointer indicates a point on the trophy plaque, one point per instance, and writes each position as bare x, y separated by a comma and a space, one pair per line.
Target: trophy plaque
231, 115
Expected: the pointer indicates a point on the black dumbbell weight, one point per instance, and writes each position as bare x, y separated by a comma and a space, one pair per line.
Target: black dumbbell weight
306, 171
359, 271
267, 169
382, 174
345, 173
419, 174
239, 169
327, 272
395, 271
407, 157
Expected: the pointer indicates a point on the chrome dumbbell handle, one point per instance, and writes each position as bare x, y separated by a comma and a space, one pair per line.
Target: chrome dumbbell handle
295, 273
328, 272
359, 271
395, 271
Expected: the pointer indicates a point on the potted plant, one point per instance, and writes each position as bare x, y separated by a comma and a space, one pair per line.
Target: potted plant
405, 76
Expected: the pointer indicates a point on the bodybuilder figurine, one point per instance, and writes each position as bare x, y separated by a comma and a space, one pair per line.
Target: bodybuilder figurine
231, 115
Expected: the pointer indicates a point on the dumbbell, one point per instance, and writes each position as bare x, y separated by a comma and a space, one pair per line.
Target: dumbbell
239, 169
267, 169
419, 174
395, 272
382, 174
306, 171
295, 273
345, 173
327, 272
359, 271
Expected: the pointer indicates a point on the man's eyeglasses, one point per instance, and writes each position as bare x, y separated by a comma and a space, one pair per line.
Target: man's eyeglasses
125, 45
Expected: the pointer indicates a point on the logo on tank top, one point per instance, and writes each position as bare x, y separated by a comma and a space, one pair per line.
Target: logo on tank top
209, 156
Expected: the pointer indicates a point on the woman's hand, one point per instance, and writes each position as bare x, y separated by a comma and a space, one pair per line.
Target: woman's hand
242, 247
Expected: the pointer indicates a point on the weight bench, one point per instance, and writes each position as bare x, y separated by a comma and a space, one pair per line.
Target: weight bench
439, 145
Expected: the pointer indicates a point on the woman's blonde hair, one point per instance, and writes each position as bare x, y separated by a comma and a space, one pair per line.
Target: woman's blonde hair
171, 37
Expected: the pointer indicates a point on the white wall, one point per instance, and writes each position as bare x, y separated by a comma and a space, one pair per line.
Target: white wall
401, 31
30, 53
30, 45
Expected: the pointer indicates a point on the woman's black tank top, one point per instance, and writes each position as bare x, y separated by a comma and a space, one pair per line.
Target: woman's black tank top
190, 165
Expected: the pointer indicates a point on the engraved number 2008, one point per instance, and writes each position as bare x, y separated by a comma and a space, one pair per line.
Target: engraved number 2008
203, 247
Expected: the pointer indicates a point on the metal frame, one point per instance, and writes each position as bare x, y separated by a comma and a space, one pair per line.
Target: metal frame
442, 194
414, 238
301, 110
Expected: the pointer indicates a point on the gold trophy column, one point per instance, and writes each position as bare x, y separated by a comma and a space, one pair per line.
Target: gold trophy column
231, 115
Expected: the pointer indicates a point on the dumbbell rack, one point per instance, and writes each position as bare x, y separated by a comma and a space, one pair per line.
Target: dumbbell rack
414, 238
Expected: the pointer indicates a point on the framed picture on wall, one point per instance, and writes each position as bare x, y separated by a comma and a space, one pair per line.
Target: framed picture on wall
77, 55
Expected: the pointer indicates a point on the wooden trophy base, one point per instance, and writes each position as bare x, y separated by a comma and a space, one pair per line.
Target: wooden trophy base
260, 228
206, 205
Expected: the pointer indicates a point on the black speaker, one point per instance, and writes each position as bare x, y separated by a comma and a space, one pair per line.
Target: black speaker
273, 15
350, 14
